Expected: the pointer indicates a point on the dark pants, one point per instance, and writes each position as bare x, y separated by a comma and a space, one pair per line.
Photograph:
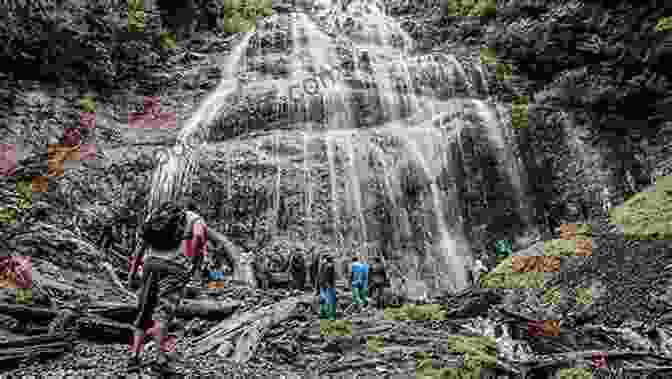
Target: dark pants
298, 280
162, 287
377, 295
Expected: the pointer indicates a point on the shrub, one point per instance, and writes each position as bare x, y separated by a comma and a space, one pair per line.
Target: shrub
647, 215
375, 344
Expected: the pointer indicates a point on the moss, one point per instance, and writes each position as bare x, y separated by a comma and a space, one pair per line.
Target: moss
503, 276
472, 8
416, 312
488, 56
664, 24
335, 328
552, 296
575, 373
167, 40
375, 344
24, 193
647, 215
503, 71
584, 296
7, 216
136, 15
479, 352
87, 104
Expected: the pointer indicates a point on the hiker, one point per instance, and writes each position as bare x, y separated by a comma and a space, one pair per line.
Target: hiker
261, 271
316, 257
379, 281
359, 279
327, 283
175, 240
297, 270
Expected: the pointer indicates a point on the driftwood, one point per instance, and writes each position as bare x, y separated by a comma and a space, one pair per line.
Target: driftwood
258, 319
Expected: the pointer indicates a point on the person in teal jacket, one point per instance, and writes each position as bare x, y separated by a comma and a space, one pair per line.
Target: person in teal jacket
359, 279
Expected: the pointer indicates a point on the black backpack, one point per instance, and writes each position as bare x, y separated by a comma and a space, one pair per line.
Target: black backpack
164, 228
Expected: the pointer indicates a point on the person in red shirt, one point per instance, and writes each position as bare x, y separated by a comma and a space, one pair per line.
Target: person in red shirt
175, 239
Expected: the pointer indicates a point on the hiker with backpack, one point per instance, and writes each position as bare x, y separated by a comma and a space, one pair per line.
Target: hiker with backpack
327, 283
297, 271
173, 248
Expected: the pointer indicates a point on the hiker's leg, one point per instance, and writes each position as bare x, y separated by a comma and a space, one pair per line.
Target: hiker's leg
171, 285
146, 305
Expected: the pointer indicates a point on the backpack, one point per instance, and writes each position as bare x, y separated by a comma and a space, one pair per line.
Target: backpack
163, 229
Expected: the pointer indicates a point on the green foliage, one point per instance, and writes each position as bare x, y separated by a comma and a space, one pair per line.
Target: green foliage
647, 215
24, 193
575, 373
136, 15
414, 312
552, 296
87, 104
503, 276
584, 296
664, 24
375, 344
472, 8
335, 328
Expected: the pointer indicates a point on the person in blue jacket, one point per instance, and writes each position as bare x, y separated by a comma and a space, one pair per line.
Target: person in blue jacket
359, 279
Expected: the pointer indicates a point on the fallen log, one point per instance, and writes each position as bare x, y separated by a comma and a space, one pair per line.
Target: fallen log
208, 309
271, 315
99, 329
34, 341
126, 313
25, 312
249, 340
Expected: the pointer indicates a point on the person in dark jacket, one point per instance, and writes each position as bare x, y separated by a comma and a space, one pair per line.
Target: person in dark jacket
314, 271
262, 271
327, 283
378, 281
297, 270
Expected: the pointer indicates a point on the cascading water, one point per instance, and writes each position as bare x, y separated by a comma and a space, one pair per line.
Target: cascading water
378, 112
172, 177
